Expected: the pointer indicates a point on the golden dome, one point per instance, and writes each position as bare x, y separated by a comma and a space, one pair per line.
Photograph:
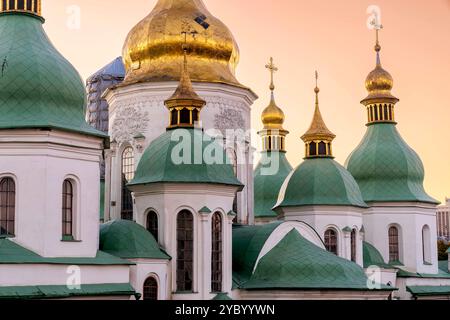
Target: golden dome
379, 82
272, 116
152, 50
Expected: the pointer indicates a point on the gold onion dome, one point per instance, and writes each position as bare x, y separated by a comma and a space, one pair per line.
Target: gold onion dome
272, 116
152, 49
379, 82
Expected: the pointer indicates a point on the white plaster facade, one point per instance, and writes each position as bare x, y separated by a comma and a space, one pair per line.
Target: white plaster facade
168, 200
410, 219
139, 110
158, 269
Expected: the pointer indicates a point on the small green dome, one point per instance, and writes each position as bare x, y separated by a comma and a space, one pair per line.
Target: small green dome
39, 88
386, 168
129, 240
320, 181
373, 257
266, 185
182, 156
294, 263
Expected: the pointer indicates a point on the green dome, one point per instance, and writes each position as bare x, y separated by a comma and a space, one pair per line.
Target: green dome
129, 240
157, 165
267, 186
294, 263
386, 168
320, 181
373, 257
39, 88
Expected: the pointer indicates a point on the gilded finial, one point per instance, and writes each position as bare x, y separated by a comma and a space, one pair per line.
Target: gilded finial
316, 89
377, 42
272, 69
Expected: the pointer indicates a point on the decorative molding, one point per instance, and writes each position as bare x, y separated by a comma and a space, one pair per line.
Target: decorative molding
130, 120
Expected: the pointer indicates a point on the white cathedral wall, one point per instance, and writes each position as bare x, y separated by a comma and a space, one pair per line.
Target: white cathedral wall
52, 274
322, 218
167, 200
139, 109
39, 162
410, 218
146, 268
402, 283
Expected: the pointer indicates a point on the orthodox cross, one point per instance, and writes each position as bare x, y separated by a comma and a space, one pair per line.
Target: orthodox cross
272, 69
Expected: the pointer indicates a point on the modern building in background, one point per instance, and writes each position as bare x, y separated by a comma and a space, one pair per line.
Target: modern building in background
443, 221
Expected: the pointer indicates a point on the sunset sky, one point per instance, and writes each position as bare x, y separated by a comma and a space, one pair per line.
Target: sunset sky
302, 36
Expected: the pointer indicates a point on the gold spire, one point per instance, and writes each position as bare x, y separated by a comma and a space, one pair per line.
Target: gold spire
273, 118
318, 138
30, 7
379, 83
185, 104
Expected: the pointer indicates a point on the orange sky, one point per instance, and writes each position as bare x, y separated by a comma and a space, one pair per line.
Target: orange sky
303, 36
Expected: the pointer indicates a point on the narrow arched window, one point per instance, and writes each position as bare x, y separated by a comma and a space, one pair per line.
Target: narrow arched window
426, 244
313, 149
7, 207
152, 224
322, 148
353, 245
67, 210
394, 253
331, 241
216, 253
150, 289
127, 176
185, 251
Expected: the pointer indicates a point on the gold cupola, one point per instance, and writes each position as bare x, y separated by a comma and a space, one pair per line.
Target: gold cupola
318, 139
380, 102
185, 104
32, 7
152, 50
273, 134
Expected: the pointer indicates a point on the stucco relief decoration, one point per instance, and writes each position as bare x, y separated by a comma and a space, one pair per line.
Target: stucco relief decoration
228, 118
130, 120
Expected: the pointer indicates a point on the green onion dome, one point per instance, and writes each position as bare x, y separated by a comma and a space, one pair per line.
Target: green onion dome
267, 184
129, 240
294, 263
185, 156
320, 181
386, 168
39, 88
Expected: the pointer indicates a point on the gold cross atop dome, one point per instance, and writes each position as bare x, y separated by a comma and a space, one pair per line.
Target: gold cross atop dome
273, 118
318, 138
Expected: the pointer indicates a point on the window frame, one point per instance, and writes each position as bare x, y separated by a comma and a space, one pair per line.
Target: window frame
11, 181
127, 171
144, 287
152, 212
183, 286
217, 250
394, 243
328, 246
72, 209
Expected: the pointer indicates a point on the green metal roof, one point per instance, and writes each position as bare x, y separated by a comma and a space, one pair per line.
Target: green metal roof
296, 263
444, 266
267, 187
12, 253
62, 291
424, 291
386, 168
372, 257
129, 240
248, 242
157, 165
39, 88
222, 297
205, 210
320, 181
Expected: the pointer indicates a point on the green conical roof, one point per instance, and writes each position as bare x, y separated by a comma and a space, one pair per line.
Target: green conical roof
267, 184
320, 181
296, 263
178, 156
129, 240
39, 88
386, 168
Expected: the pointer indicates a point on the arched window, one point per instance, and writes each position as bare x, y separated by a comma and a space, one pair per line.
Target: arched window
127, 176
322, 148
353, 244
185, 251
426, 244
150, 289
152, 224
313, 149
67, 210
7, 206
331, 241
394, 253
216, 253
